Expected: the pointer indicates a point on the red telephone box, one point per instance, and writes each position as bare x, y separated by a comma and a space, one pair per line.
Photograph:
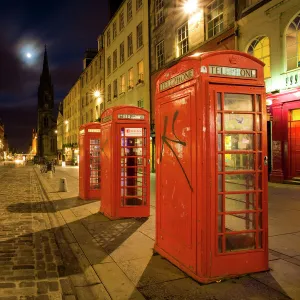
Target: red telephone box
89, 161
211, 193
125, 169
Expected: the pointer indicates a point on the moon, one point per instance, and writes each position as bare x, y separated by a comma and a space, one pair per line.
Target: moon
28, 55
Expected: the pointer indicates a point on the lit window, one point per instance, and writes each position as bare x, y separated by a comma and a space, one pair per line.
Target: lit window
122, 53
260, 48
115, 88
139, 35
293, 44
140, 103
115, 59
130, 45
139, 4
215, 18
129, 10
108, 65
91, 118
160, 55
140, 71
183, 39
130, 78
114, 30
108, 37
159, 12
121, 20
109, 93
122, 84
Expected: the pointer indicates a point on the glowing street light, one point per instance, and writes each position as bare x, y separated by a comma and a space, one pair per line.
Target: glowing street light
66, 122
97, 94
190, 6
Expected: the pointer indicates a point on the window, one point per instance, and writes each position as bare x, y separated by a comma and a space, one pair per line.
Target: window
91, 118
129, 10
46, 122
96, 66
101, 84
115, 59
140, 66
159, 12
114, 30
130, 78
108, 37
122, 84
139, 4
121, 20
160, 55
215, 18
115, 87
86, 117
109, 93
82, 102
140, 103
139, 35
292, 38
108, 65
260, 48
183, 39
86, 99
101, 106
122, 53
130, 45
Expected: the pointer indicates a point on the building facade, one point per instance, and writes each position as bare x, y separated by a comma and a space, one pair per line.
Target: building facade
275, 40
1, 141
84, 103
127, 56
46, 124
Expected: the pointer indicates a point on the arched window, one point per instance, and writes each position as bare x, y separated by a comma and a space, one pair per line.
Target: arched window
260, 48
292, 39
46, 122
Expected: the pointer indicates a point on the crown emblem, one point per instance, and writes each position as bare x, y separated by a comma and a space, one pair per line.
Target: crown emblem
233, 59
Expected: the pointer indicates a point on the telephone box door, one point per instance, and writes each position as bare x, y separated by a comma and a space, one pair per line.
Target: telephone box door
133, 167
239, 203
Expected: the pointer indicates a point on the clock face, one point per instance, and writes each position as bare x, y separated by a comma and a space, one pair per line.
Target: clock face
46, 105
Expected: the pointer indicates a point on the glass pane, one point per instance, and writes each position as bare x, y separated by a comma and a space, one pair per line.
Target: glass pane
258, 101
239, 122
220, 183
242, 241
259, 183
240, 222
235, 162
236, 202
239, 182
220, 203
238, 141
259, 142
220, 247
220, 142
259, 161
220, 223
238, 102
220, 162
259, 201
260, 223
219, 122
258, 122
219, 107
260, 236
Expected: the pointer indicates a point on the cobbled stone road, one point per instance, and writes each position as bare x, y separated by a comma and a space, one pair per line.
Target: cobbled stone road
30, 262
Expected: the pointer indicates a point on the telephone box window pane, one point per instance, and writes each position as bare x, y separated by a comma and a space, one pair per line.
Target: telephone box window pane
219, 103
219, 122
220, 243
235, 142
220, 203
238, 102
242, 241
259, 201
240, 222
258, 122
259, 184
260, 222
220, 162
239, 122
234, 162
259, 142
236, 202
239, 182
258, 103
220, 183
94, 164
220, 223
259, 161
260, 238
220, 142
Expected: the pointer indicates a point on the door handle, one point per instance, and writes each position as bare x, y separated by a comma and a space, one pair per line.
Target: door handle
266, 160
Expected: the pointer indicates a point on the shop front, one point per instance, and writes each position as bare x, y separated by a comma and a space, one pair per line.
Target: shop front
285, 143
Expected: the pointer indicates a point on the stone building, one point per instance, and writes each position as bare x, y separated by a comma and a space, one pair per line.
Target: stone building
46, 124
59, 132
1, 140
275, 40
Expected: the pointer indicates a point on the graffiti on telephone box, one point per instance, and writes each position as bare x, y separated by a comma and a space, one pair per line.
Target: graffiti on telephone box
170, 143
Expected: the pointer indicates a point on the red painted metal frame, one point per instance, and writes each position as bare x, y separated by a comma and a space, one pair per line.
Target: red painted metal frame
187, 167
85, 192
111, 158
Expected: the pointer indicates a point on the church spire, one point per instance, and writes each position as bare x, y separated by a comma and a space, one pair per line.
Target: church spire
45, 73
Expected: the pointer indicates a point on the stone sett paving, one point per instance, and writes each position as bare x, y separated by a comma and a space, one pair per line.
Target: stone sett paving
30, 262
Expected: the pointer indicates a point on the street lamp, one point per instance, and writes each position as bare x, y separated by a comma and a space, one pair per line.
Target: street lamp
190, 6
97, 94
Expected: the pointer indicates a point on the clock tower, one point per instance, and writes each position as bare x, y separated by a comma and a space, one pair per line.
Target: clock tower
46, 125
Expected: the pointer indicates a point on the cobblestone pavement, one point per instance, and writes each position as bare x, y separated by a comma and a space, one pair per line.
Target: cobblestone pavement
31, 263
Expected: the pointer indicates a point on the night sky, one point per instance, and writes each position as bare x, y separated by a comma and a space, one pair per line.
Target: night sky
67, 28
